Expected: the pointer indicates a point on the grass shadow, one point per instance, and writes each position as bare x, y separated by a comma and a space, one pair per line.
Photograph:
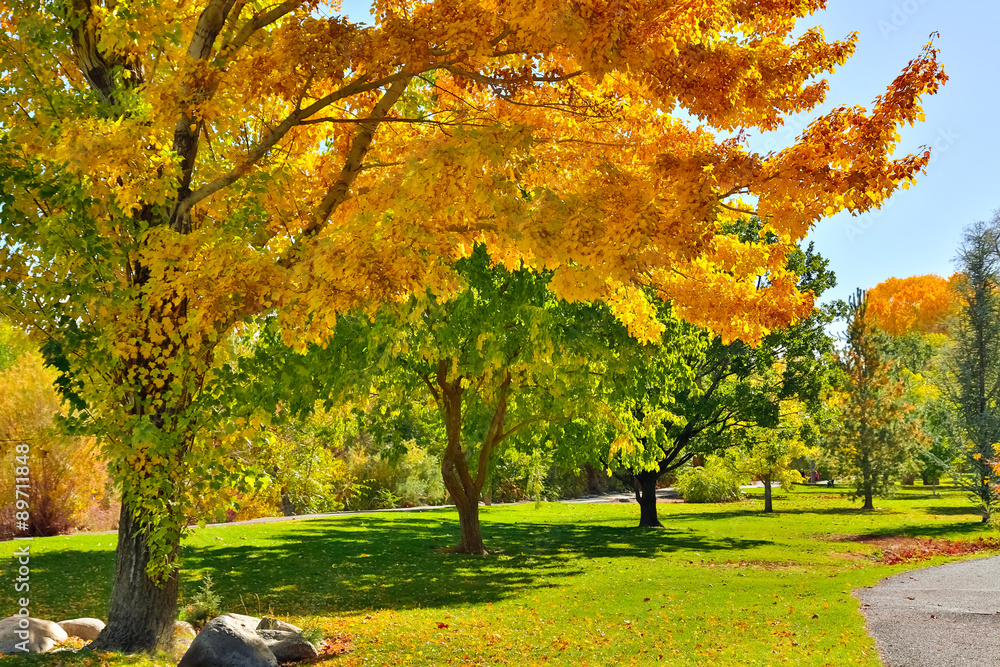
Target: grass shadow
371, 562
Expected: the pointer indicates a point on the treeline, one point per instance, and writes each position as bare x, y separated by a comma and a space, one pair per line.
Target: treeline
502, 392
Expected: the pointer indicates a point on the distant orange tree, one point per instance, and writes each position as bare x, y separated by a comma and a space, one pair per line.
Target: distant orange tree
918, 303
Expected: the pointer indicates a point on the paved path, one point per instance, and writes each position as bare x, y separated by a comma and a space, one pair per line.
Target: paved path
944, 616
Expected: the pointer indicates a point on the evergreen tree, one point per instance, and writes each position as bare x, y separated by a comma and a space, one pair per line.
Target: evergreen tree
974, 367
876, 437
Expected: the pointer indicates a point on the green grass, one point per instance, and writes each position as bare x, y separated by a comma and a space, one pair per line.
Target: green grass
566, 584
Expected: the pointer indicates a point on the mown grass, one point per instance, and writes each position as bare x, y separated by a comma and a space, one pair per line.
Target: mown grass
566, 584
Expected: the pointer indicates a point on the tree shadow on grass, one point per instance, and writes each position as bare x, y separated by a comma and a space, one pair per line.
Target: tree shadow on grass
952, 511
64, 581
957, 530
349, 564
357, 563
778, 512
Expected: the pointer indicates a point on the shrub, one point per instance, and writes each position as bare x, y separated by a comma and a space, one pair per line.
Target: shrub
715, 483
69, 484
204, 605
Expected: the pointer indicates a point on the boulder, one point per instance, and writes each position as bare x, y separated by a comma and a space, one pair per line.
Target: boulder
184, 630
274, 636
293, 648
288, 646
34, 634
226, 641
268, 623
84, 628
250, 622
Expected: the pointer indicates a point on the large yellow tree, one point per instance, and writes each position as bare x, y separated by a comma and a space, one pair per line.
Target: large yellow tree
170, 168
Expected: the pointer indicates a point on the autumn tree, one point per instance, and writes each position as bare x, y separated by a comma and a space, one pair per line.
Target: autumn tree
875, 436
974, 361
171, 169
916, 304
69, 482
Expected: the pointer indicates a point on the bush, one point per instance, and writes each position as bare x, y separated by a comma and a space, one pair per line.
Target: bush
715, 483
205, 604
383, 481
69, 484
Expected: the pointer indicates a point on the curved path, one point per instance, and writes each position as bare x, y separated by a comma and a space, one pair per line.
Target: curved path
944, 616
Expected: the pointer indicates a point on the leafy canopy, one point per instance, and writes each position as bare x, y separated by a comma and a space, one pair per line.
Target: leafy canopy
169, 169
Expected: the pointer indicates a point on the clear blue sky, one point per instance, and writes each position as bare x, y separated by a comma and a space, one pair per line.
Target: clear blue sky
918, 231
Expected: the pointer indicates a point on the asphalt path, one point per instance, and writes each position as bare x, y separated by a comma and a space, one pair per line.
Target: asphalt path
944, 616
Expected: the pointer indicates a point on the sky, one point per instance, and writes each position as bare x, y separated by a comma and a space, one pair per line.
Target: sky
918, 230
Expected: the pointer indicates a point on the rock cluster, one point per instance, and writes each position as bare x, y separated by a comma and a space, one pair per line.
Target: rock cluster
235, 640
23, 634
231, 640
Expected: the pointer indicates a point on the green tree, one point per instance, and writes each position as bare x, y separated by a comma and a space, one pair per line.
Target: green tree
706, 395
768, 453
499, 356
974, 361
875, 437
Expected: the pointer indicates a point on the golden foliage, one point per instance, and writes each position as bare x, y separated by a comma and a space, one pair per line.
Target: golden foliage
172, 168
917, 303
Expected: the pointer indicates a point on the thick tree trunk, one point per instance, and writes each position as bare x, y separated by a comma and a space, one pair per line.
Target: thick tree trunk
768, 507
645, 494
471, 541
142, 614
466, 502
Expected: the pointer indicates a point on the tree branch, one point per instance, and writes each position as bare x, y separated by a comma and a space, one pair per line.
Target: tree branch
353, 164
256, 23
258, 151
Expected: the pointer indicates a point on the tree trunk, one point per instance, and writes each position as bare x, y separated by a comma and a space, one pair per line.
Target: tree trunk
142, 614
471, 541
645, 494
466, 502
768, 507
287, 506
869, 504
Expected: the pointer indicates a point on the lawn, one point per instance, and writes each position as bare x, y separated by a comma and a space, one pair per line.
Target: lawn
566, 584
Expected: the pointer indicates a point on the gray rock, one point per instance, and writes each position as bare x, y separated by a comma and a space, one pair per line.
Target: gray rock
38, 636
275, 636
293, 648
268, 623
184, 630
288, 645
227, 642
251, 622
84, 628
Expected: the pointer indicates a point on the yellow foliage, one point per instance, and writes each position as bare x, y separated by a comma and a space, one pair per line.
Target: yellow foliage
918, 303
177, 167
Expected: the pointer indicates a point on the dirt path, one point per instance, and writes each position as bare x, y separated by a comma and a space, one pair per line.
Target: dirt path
944, 616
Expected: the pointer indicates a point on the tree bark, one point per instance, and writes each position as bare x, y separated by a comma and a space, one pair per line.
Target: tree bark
453, 465
645, 494
869, 504
287, 506
455, 469
768, 506
142, 613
